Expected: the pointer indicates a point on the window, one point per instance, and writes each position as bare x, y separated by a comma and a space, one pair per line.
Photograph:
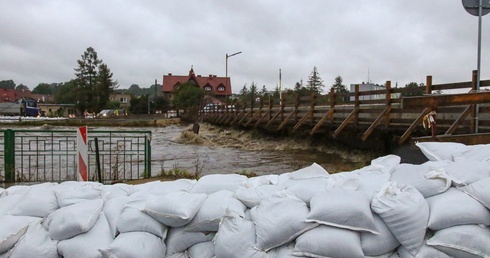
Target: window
123, 100
221, 88
207, 88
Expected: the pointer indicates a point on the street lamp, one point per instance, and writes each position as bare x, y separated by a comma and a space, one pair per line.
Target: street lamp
226, 76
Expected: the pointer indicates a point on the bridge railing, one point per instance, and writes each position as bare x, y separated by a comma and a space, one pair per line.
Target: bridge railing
397, 109
51, 155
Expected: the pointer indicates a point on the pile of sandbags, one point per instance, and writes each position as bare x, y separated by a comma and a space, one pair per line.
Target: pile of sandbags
437, 209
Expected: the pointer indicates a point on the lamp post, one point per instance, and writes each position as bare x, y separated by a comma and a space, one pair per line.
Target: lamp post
227, 65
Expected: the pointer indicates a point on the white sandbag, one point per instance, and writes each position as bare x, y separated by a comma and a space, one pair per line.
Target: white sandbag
133, 219
436, 151
113, 209
478, 152
202, 250
378, 244
135, 245
454, 207
271, 216
71, 195
213, 208
39, 201
366, 181
385, 164
251, 197
313, 171
305, 189
1, 191
342, 208
8, 202
209, 184
35, 243
12, 228
465, 172
145, 187
427, 180
479, 190
462, 241
175, 209
235, 238
326, 241
425, 251
165, 187
256, 181
405, 212
179, 240
73, 220
183, 254
283, 251
15, 189
116, 190
87, 245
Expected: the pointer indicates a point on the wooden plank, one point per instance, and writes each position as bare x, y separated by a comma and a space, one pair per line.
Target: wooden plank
460, 119
468, 139
370, 130
412, 127
286, 120
274, 117
245, 116
302, 120
251, 119
322, 121
351, 116
446, 100
262, 118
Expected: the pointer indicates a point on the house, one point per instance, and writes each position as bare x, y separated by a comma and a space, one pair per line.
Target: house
219, 87
368, 87
124, 99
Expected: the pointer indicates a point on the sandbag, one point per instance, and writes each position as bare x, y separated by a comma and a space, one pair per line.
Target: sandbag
454, 207
12, 228
283, 251
8, 202
179, 240
116, 190
385, 164
35, 243
326, 241
86, 245
209, 184
463, 241
313, 171
465, 172
175, 209
256, 181
39, 201
270, 216
72, 220
342, 208
166, 187
133, 219
479, 190
437, 151
405, 211
235, 238
477, 152
213, 208
71, 194
427, 180
305, 189
251, 197
113, 209
202, 250
135, 245
378, 244
425, 251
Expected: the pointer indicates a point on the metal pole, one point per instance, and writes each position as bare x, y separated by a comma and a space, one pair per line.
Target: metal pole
478, 62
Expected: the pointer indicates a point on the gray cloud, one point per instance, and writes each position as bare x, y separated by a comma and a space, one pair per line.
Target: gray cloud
401, 41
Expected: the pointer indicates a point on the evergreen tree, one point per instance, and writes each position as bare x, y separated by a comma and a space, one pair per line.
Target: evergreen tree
7, 84
253, 93
21, 87
413, 89
338, 86
315, 82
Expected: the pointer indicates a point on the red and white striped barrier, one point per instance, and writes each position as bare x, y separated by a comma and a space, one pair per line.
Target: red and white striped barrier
82, 150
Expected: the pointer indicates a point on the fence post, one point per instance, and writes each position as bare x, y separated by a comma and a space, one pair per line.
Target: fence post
428, 84
147, 173
9, 150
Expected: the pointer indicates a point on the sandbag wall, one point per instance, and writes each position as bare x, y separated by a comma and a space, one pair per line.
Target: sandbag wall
437, 209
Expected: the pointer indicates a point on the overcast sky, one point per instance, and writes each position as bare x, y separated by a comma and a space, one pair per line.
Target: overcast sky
400, 41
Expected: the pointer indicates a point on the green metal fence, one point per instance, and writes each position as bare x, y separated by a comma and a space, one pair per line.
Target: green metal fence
51, 155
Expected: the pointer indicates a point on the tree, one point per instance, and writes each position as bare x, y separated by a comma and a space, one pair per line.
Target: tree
7, 84
94, 82
21, 87
66, 93
189, 97
339, 87
315, 82
43, 88
413, 89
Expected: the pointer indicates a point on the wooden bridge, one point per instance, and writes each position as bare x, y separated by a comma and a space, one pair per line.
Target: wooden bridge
463, 113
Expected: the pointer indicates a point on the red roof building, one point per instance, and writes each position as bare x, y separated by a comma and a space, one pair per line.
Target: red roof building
219, 87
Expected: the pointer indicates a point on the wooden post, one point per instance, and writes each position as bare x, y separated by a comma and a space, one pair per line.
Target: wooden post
428, 84
332, 103
474, 76
312, 107
356, 103
388, 102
